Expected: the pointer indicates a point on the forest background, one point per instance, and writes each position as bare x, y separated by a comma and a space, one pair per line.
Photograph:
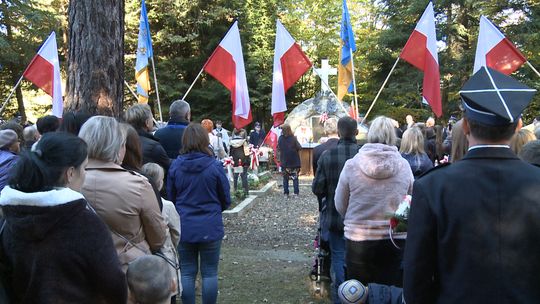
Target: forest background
186, 32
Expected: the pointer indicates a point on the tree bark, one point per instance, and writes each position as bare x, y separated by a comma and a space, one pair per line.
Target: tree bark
95, 57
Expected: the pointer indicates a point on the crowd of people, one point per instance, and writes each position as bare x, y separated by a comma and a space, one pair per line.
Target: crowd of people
100, 210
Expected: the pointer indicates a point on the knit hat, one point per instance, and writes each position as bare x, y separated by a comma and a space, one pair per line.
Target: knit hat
7, 138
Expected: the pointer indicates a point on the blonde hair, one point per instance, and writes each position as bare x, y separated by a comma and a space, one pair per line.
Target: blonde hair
330, 126
382, 131
412, 141
520, 138
460, 144
154, 172
104, 138
137, 115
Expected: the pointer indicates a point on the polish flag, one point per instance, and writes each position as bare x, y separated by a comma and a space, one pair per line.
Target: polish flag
271, 140
290, 63
226, 64
421, 51
496, 51
44, 72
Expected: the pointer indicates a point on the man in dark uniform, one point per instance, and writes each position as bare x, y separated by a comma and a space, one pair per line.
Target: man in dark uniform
474, 226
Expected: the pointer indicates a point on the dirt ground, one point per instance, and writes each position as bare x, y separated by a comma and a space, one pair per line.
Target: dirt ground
268, 252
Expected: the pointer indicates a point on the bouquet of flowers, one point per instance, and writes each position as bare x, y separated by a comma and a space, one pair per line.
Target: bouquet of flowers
398, 220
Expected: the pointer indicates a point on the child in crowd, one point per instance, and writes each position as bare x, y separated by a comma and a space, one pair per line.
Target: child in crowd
156, 173
150, 281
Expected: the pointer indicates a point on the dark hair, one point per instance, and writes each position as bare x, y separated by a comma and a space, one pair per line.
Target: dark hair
195, 139
531, 152
48, 123
347, 127
492, 133
133, 159
286, 130
73, 121
42, 168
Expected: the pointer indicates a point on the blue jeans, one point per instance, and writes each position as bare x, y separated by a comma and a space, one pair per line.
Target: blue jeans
337, 264
189, 267
293, 174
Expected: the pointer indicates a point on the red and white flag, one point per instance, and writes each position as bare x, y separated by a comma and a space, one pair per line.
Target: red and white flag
227, 65
290, 63
44, 72
421, 51
496, 51
271, 140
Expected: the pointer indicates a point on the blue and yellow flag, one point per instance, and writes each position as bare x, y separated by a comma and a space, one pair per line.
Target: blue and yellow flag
144, 51
348, 46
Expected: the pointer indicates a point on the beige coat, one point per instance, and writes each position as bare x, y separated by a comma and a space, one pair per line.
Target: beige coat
127, 204
172, 218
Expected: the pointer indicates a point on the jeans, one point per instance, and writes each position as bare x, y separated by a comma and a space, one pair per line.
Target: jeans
374, 261
293, 174
337, 257
189, 266
243, 175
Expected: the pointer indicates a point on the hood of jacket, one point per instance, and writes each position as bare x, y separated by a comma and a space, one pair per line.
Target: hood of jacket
194, 162
379, 161
33, 215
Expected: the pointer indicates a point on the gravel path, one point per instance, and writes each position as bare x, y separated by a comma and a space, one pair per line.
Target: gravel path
268, 252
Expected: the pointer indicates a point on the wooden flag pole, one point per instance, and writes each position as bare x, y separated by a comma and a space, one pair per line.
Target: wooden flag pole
354, 85
535, 70
331, 91
157, 91
131, 90
380, 90
10, 94
191, 86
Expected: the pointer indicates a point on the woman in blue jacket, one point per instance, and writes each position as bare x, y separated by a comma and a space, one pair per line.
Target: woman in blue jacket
199, 188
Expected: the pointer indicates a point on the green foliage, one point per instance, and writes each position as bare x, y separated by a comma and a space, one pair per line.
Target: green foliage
186, 32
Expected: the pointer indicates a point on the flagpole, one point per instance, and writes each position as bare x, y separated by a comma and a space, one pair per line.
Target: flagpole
10, 94
191, 86
354, 85
331, 91
131, 90
157, 91
535, 70
382, 87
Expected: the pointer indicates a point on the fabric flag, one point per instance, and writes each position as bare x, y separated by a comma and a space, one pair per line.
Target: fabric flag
348, 46
496, 51
290, 63
144, 51
271, 140
226, 64
421, 51
44, 72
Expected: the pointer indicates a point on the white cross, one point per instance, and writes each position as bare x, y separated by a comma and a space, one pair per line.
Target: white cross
324, 72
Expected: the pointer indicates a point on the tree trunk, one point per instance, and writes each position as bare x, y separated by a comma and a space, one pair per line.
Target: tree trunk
95, 57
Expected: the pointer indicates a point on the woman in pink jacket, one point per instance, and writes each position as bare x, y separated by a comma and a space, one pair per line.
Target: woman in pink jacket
370, 188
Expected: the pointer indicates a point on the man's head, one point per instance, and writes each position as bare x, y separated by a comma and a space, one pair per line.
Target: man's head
139, 116
180, 110
330, 126
531, 152
30, 134
409, 119
430, 122
493, 103
347, 128
49, 123
9, 141
151, 280
218, 124
257, 126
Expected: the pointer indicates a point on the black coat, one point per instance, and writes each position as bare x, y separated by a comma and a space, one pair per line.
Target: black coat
288, 147
318, 151
326, 179
474, 232
170, 137
61, 254
153, 151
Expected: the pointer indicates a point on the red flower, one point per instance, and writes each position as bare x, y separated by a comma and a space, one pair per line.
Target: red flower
393, 222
